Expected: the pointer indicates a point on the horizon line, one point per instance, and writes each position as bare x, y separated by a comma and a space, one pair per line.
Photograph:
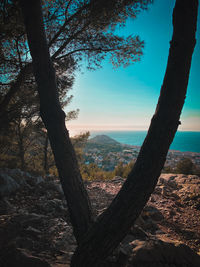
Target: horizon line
78, 129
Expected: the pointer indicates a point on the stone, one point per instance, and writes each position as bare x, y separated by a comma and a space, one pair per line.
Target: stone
53, 205
138, 233
58, 188
153, 253
17, 175
31, 219
7, 185
12, 256
5, 207
153, 213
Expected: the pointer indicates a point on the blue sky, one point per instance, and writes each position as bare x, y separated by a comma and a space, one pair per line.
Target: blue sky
125, 98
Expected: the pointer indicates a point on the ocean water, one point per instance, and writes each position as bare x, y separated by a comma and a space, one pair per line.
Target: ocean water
183, 141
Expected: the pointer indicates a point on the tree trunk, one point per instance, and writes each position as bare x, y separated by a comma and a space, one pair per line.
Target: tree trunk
46, 168
114, 223
54, 120
21, 146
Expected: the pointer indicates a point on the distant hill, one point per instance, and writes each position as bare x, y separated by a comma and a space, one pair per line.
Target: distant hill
103, 140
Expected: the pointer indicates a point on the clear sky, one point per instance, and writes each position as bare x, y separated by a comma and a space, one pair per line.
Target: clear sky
125, 98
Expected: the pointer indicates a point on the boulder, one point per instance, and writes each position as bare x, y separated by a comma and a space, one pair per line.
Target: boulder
17, 175
7, 185
153, 213
12, 256
157, 253
5, 207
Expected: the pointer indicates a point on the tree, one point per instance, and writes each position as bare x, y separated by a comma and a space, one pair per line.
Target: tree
74, 31
97, 240
79, 143
123, 169
28, 133
185, 166
119, 169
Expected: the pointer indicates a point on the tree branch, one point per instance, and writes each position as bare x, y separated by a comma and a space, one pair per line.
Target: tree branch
67, 21
18, 53
69, 40
85, 49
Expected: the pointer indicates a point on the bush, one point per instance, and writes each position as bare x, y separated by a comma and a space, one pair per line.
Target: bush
185, 166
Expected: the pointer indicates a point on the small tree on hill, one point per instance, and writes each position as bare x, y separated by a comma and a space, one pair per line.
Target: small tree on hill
185, 166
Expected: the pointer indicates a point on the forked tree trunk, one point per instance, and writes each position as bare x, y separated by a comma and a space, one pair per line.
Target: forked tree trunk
110, 228
54, 120
114, 223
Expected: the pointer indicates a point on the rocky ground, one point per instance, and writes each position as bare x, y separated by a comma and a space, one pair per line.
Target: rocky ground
35, 229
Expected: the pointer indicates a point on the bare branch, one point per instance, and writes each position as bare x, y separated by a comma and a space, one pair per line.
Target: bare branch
62, 47
67, 21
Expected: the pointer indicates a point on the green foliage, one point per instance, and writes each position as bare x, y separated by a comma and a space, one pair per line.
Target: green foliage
119, 170
123, 170
79, 143
93, 172
185, 166
167, 169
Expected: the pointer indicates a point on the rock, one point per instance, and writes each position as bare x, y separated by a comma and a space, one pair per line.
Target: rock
5, 207
158, 190
53, 205
51, 234
33, 180
138, 233
13, 179
12, 256
146, 224
33, 230
58, 188
118, 179
153, 253
25, 242
168, 180
31, 219
17, 175
153, 213
7, 185
187, 179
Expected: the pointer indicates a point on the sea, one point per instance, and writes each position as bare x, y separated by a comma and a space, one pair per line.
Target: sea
183, 141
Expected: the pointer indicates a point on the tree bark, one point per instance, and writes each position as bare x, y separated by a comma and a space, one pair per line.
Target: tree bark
54, 120
46, 167
115, 222
21, 146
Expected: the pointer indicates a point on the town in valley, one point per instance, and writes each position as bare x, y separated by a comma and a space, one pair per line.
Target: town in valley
107, 153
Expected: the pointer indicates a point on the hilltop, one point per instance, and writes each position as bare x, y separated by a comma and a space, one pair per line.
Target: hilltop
103, 140
35, 228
